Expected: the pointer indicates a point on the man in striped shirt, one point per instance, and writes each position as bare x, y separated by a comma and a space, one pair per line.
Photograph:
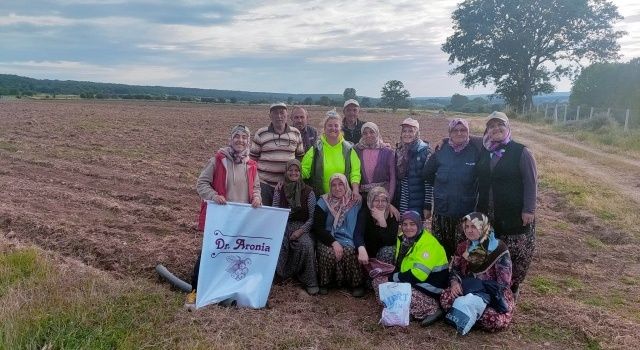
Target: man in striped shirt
272, 147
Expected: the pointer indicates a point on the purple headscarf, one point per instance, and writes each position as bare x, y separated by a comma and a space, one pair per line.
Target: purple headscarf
452, 124
497, 147
415, 217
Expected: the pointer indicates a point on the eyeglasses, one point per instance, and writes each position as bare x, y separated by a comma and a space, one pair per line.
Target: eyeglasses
282, 142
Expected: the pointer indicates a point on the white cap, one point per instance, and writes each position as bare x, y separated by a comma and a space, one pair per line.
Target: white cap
277, 105
498, 115
350, 102
411, 122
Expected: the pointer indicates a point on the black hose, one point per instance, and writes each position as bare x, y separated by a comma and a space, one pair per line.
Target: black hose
171, 278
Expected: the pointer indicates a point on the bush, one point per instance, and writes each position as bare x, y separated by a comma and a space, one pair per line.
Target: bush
600, 123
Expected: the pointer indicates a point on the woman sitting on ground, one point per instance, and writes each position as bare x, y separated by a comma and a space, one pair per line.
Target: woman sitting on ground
297, 255
380, 228
335, 224
482, 267
422, 262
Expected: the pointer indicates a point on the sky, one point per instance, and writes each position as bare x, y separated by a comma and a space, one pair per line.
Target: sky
271, 46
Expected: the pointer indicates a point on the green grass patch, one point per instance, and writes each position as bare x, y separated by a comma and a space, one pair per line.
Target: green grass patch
18, 266
8, 146
629, 280
544, 285
572, 283
67, 309
542, 332
594, 243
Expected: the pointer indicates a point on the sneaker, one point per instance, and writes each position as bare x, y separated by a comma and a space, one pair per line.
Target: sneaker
323, 291
431, 319
357, 292
313, 290
190, 301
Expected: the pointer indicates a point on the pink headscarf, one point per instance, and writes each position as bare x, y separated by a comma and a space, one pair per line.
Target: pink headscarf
452, 124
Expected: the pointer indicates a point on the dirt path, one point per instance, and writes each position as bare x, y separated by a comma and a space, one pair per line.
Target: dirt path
599, 165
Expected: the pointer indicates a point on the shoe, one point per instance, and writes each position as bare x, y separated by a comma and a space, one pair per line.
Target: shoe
429, 320
357, 292
313, 290
190, 301
323, 291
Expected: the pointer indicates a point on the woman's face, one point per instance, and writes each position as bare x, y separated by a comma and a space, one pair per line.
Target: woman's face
338, 189
369, 136
459, 134
239, 141
497, 130
293, 173
332, 128
380, 202
408, 134
470, 230
409, 228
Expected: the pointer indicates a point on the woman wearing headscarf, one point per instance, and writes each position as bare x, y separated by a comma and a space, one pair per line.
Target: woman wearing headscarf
297, 255
377, 161
229, 176
507, 193
452, 172
330, 155
482, 268
422, 262
380, 228
335, 224
413, 192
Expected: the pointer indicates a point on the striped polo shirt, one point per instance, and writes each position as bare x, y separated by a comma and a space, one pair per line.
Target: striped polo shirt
272, 151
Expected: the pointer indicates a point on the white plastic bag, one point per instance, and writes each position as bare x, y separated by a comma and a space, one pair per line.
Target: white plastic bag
396, 298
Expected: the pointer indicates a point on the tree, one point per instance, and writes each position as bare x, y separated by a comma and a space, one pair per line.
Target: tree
394, 95
349, 94
608, 85
324, 101
307, 101
457, 101
366, 102
519, 46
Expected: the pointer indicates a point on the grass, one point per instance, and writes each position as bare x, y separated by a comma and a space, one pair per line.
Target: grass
594, 243
542, 332
8, 146
43, 306
544, 285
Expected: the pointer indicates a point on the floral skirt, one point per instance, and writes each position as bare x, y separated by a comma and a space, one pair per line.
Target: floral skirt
347, 272
297, 257
521, 249
448, 232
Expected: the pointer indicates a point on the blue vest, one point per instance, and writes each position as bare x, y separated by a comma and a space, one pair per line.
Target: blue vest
455, 188
345, 232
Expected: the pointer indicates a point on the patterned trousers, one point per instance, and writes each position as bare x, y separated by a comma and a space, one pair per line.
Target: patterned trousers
521, 247
347, 272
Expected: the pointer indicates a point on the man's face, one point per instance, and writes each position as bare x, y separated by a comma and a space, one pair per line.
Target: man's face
278, 116
299, 118
351, 113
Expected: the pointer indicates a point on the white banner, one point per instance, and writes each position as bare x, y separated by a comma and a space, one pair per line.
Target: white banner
240, 251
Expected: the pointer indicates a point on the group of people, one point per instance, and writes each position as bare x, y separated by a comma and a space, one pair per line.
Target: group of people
356, 201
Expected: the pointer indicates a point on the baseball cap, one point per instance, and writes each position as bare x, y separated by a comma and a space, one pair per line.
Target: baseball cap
350, 102
498, 115
410, 122
277, 105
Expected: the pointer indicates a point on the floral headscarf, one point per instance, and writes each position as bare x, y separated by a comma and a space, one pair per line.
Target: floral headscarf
452, 124
484, 251
376, 192
238, 157
403, 153
377, 144
339, 206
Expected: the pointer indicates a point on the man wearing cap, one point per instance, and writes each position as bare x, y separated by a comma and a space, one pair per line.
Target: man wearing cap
300, 119
352, 126
272, 147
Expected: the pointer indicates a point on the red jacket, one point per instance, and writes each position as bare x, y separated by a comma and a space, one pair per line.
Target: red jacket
219, 184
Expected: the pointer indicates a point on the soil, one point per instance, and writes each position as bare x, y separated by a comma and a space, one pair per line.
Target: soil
112, 184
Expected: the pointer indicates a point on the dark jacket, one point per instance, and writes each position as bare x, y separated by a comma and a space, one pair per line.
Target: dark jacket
415, 194
455, 180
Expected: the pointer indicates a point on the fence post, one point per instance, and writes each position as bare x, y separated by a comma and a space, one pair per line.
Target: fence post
523, 108
608, 112
537, 108
578, 113
555, 113
591, 113
565, 113
545, 110
626, 121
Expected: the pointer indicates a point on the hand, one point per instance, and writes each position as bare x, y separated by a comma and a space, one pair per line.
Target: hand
256, 202
363, 257
427, 214
394, 211
527, 219
278, 186
296, 234
219, 199
356, 196
438, 145
337, 250
378, 216
456, 289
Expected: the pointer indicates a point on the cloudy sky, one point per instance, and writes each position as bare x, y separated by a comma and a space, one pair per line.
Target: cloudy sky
276, 46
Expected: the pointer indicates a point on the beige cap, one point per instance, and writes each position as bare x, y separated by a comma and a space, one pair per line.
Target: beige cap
277, 105
498, 115
411, 122
350, 102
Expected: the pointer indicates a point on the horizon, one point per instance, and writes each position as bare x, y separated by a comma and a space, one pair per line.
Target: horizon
247, 47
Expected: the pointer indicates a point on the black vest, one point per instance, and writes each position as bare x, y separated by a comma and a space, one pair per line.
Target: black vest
506, 184
301, 215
